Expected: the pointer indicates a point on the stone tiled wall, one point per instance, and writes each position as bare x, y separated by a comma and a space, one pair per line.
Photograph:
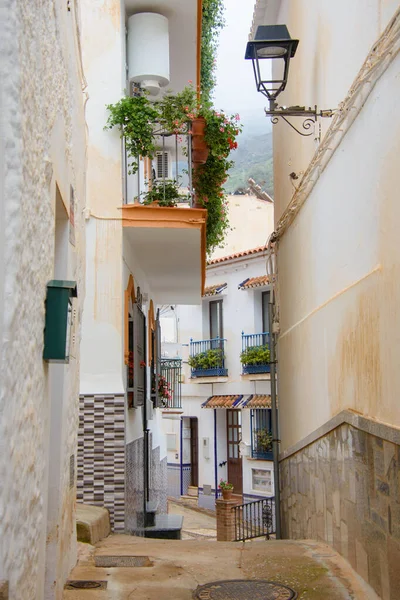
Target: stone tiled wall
344, 489
135, 482
101, 455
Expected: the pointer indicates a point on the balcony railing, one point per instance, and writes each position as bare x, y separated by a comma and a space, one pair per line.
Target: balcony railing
207, 358
255, 353
171, 371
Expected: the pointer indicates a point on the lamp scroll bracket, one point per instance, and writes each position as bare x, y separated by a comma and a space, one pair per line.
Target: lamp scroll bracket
310, 125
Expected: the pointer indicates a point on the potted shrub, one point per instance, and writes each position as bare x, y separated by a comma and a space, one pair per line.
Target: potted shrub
209, 362
264, 440
255, 359
162, 193
226, 489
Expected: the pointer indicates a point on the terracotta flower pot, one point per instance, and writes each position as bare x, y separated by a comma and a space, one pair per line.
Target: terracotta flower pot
199, 143
227, 494
198, 126
199, 156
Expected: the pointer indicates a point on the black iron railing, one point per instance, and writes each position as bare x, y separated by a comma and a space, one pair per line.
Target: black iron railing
254, 519
171, 371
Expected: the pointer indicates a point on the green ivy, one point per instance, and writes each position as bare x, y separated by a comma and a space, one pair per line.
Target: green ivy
255, 355
210, 359
212, 22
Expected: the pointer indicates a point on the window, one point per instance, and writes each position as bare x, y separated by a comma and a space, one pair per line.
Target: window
265, 300
262, 480
216, 324
261, 437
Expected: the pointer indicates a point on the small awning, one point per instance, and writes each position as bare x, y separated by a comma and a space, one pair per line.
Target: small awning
253, 401
257, 401
223, 402
212, 290
254, 282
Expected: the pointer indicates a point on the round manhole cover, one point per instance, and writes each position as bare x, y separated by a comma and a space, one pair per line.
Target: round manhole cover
239, 589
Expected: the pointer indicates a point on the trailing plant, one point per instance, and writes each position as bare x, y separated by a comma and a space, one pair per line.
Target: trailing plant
255, 355
212, 23
166, 193
210, 359
264, 440
135, 117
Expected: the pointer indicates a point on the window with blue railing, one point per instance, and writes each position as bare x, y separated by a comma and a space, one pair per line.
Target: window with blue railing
261, 434
207, 358
255, 355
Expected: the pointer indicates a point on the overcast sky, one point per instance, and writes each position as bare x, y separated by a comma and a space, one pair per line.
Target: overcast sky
236, 88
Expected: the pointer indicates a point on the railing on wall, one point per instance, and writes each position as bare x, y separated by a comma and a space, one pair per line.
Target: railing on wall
171, 372
255, 353
261, 436
254, 519
207, 358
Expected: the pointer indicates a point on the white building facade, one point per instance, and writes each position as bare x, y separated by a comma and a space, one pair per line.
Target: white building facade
221, 428
138, 257
337, 282
42, 246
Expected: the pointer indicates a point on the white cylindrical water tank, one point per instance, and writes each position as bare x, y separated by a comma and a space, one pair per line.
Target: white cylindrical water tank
148, 51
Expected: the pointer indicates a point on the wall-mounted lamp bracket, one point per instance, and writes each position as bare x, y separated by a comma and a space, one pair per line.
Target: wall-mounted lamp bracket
310, 116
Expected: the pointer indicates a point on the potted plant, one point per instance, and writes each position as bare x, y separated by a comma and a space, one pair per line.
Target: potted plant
162, 193
264, 440
207, 363
255, 359
164, 390
226, 489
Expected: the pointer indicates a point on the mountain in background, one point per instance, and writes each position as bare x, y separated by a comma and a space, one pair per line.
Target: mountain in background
253, 158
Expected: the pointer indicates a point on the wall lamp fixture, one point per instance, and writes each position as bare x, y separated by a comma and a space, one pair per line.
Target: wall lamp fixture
274, 42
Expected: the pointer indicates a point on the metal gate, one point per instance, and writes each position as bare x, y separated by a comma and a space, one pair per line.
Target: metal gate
254, 519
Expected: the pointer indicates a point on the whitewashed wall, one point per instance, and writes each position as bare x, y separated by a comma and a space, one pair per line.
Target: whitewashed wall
241, 312
338, 263
43, 130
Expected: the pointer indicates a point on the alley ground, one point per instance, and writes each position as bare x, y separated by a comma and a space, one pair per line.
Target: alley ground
175, 568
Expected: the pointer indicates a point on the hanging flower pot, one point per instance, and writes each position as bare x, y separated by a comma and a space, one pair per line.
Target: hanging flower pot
198, 126
200, 155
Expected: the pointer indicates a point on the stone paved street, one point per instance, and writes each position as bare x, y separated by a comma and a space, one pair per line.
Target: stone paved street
178, 567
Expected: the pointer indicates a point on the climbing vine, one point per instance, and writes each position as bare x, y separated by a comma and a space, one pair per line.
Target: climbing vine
212, 22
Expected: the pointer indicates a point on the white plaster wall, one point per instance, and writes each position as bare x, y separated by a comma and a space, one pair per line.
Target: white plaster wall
43, 129
339, 279
335, 38
103, 47
251, 221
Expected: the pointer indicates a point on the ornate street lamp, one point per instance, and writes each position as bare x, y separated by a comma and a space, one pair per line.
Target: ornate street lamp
273, 42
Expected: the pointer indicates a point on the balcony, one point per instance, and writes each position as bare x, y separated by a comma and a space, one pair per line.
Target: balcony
255, 355
169, 246
207, 358
171, 378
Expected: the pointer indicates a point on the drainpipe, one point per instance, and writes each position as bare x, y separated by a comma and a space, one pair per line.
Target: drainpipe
275, 426
215, 455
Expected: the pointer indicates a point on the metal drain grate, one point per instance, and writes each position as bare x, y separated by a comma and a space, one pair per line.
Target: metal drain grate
81, 584
240, 589
122, 561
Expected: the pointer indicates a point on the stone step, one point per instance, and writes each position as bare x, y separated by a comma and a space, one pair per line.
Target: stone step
151, 510
92, 523
193, 491
167, 527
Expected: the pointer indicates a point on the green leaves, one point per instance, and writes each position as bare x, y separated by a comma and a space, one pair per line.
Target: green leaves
135, 117
165, 193
264, 440
255, 355
210, 359
212, 23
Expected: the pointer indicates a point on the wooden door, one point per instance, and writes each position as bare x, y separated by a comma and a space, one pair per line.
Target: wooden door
234, 435
194, 452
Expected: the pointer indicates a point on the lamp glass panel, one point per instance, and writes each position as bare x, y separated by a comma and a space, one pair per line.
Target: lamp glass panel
271, 52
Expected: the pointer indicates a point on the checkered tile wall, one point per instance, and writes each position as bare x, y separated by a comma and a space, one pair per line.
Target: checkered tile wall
101, 455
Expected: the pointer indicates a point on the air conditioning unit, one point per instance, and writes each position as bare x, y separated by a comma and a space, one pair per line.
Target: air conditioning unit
163, 165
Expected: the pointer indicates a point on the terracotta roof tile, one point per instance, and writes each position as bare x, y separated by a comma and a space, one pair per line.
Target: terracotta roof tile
215, 261
212, 290
222, 402
254, 282
258, 401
